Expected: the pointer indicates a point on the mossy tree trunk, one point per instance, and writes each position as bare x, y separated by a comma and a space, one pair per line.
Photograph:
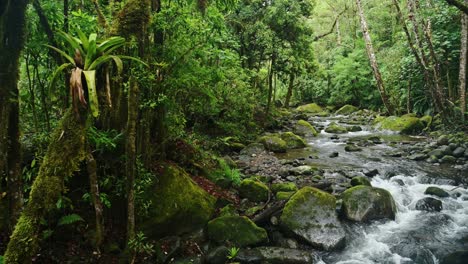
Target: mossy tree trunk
66, 151
12, 20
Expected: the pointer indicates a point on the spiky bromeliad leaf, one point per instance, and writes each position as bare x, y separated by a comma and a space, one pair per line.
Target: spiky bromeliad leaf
90, 77
110, 45
104, 59
63, 53
69, 219
75, 43
56, 74
91, 51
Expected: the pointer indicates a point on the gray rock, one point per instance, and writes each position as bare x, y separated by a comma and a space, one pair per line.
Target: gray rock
371, 173
302, 170
217, 255
274, 255
352, 148
448, 159
443, 140
310, 214
418, 157
429, 204
458, 152
364, 203
453, 146
438, 153
334, 155
254, 148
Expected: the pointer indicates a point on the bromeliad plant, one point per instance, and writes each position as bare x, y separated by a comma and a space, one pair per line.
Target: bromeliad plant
89, 55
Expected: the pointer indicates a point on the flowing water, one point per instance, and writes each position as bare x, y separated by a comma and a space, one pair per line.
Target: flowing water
414, 236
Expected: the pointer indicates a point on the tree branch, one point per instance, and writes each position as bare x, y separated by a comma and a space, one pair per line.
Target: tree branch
456, 3
332, 28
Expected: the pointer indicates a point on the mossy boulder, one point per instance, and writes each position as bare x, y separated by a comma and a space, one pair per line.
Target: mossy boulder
313, 109
284, 187
407, 124
310, 214
426, 120
360, 180
304, 128
228, 210
179, 205
364, 203
436, 191
346, 110
336, 129
274, 143
238, 230
255, 191
293, 141
282, 196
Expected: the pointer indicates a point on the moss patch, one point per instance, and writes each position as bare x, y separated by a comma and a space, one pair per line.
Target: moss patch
304, 128
284, 187
346, 110
336, 129
253, 190
178, 204
293, 141
406, 124
284, 195
274, 143
364, 203
238, 230
360, 180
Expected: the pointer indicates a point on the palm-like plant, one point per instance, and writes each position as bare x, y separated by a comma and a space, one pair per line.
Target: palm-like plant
89, 55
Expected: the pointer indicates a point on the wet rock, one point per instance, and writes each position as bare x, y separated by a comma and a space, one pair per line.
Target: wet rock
352, 148
375, 139
438, 153
238, 230
274, 143
354, 129
432, 159
291, 178
310, 214
364, 203
254, 148
283, 187
334, 155
436, 191
312, 109
274, 255
282, 196
429, 204
346, 110
217, 255
371, 173
253, 190
302, 170
334, 128
448, 159
304, 128
443, 140
459, 257
418, 157
334, 137
407, 124
399, 182
458, 152
359, 180
293, 141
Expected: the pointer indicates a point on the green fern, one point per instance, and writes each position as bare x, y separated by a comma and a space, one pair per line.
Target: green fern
1, 259
69, 219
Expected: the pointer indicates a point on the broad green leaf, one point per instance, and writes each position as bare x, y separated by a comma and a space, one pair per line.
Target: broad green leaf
84, 39
75, 43
56, 73
103, 59
91, 53
110, 44
63, 53
92, 93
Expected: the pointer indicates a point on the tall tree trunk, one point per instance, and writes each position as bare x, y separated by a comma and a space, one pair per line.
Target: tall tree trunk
94, 189
12, 20
270, 85
463, 58
63, 157
290, 89
372, 58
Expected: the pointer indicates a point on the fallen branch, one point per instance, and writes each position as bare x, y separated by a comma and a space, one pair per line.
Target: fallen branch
332, 28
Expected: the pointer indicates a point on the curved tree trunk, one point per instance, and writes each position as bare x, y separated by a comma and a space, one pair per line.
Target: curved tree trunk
65, 153
373, 59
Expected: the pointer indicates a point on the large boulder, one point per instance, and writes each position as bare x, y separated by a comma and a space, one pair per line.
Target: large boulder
255, 191
407, 124
346, 110
429, 204
365, 203
336, 129
436, 191
178, 204
274, 143
313, 109
293, 141
304, 128
275, 255
238, 230
310, 214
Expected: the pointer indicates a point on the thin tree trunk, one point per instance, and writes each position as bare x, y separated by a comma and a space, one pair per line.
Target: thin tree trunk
463, 59
94, 189
270, 85
33, 95
290, 89
408, 99
372, 58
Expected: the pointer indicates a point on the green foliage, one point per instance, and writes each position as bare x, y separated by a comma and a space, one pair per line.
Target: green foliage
104, 140
140, 245
69, 219
232, 254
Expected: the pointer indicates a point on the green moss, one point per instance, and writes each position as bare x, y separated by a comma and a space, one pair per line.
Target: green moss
238, 230
346, 110
336, 129
253, 190
284, 187
178, 204
228, 210
293, 141
133, 19
364, 203
310, 108
304, 128
360, 180
253, 210
280, 196
378, 119
437, 192
274, 143
406, 124
426, 120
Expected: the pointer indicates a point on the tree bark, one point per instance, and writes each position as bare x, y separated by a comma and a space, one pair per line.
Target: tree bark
94, 190
292, 76
463, 59
12, 20
372, 58
270, 85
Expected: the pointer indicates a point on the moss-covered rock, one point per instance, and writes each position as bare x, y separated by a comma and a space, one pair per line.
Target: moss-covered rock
284, 187
310, 214
313, 109
228, 210
436, 191
293, 141
253, 190
407, 124
426, 120
282, 196
253, 210
274, 143
360, 180
336, 129
304, 128
364, 203
238, 230
178, 204
346, 110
